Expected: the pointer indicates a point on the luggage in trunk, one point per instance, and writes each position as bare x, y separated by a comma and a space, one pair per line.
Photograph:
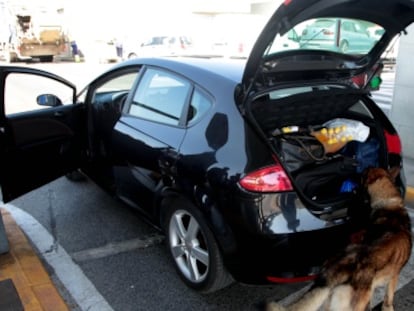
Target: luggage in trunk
324, 168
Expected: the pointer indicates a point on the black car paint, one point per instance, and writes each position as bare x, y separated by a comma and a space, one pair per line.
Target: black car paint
263, 236
204, 163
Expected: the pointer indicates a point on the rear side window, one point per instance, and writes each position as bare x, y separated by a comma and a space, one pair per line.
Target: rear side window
348, 26
161, 97
200, 104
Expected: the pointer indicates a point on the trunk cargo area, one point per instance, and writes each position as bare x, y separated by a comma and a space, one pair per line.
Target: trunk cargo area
325, 162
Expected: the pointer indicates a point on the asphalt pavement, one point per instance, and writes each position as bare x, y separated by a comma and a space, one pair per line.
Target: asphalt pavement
25, 283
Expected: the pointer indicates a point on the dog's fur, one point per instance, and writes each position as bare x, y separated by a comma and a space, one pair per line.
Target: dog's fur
347, 280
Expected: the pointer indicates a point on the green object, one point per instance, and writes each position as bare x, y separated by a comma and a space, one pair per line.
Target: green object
375, 82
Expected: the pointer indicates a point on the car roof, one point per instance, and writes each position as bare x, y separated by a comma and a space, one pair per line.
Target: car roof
205, 71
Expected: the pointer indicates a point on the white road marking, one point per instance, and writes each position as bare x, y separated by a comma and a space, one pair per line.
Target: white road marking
406, 276
69, 273
111, 249
85, 293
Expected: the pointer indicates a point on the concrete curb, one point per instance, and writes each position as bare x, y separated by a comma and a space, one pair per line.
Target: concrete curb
24, 268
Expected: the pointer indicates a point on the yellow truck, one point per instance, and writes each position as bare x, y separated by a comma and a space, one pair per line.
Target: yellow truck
31, 33
39, 38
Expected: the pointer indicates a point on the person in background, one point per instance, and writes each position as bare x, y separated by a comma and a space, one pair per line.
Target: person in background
119, 49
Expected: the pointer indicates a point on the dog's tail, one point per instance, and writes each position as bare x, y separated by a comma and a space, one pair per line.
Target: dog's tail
312, 301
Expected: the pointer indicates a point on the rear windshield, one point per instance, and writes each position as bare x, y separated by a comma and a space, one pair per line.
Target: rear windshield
345, 36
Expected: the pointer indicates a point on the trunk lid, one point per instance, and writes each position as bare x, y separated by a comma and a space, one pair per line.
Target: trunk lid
328, 40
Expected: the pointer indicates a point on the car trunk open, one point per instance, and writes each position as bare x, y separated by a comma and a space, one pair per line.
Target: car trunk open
391, 16
326, 174
292, 93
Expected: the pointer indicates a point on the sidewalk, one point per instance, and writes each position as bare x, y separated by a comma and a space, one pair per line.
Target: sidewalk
24, 282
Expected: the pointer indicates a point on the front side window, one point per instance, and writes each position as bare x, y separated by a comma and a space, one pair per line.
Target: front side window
112, 91
22, 90
161, 97
120, 83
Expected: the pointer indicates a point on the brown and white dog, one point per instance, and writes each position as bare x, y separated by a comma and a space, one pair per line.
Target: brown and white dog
348, 280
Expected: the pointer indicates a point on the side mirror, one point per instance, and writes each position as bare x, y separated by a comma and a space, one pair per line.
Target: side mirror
48, 100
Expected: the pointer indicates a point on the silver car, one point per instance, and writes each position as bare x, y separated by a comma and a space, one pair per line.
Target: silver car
338, 35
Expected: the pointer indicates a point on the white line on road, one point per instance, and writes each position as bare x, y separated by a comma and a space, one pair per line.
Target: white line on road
69, 273
111, 249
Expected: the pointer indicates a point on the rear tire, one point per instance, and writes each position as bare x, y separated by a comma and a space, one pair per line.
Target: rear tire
46, 59
194, 249
344, 47
76, 176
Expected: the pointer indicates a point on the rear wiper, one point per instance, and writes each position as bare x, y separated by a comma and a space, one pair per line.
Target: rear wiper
313, 37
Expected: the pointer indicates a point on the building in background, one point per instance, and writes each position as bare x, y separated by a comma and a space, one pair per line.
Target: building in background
214, 26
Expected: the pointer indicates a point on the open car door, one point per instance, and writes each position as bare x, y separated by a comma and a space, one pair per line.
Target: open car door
42, 129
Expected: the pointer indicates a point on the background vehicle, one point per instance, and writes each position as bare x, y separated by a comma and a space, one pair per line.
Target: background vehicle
347, 36
7, 31
32, 32
164, 45
241, 164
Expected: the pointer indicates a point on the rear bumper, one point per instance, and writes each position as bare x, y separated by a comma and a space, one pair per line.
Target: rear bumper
288, 258
34, 50
279, 240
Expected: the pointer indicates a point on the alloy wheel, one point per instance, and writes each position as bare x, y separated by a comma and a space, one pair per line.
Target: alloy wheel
188, 246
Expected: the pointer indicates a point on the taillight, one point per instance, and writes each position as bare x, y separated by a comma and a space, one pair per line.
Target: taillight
328, 32
393, 143
268, 179
241, 47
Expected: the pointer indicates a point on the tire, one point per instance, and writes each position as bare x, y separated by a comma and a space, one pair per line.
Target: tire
194, 249
76, 176
46, 59
344, 47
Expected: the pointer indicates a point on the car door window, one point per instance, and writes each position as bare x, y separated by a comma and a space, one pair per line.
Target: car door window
161, 97
120, 83
109, 97
348, 26
22, 89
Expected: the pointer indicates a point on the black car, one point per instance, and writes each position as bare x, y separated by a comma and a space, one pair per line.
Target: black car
252, 169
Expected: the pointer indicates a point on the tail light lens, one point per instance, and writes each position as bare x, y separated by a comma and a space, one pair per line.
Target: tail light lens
328, 32
393, 143
268, 179
241, 47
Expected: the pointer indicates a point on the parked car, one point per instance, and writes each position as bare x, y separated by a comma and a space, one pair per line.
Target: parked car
343, 35
242, 164
163, 45
241, 48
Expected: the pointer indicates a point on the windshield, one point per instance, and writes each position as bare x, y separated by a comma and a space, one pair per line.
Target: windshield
345, 36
